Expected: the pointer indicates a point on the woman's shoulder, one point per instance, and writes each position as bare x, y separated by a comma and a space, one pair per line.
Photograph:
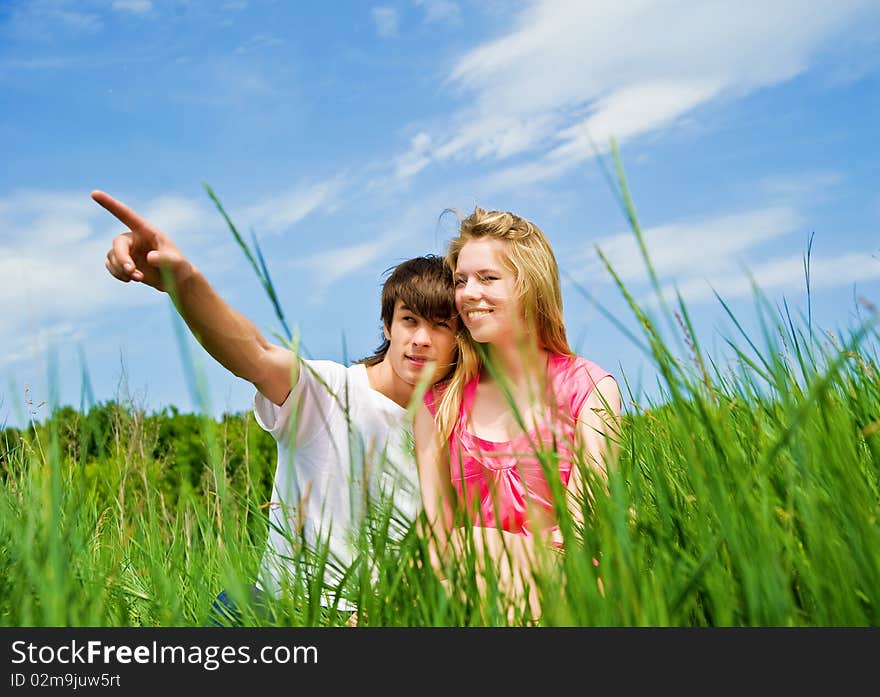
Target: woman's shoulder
577, 368
574, 379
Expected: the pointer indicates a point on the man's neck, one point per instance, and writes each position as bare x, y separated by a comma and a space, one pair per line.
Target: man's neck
383, 379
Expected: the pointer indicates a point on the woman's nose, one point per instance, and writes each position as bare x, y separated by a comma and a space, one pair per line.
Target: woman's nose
470, 289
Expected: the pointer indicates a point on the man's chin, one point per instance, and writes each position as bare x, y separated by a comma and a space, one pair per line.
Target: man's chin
418, 372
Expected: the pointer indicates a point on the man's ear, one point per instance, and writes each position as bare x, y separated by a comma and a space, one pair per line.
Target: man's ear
386, 331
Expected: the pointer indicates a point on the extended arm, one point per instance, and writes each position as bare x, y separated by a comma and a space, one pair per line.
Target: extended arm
149, 256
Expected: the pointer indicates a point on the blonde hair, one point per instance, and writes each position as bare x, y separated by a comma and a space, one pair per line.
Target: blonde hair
528, 254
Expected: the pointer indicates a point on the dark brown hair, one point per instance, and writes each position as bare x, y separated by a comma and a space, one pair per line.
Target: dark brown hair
424, 284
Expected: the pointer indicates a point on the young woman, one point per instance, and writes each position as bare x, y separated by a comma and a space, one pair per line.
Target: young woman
518, 404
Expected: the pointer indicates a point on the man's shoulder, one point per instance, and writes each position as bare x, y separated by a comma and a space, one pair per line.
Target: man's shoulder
349, 383
331, 372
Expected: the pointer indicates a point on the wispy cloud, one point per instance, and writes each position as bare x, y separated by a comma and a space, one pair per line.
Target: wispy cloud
686, 249
52, 256
278, 212
785, 273
722, 254
569, 71
415, 159
45, 63
440, 10
632, 111
41, 18
35, 343
495, 136
398, 234
51, 268
138, 7
387, 21
803, 186
181, 217
258, 42
81, 21
330, 266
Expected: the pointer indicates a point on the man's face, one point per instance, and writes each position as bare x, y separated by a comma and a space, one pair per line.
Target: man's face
419, 344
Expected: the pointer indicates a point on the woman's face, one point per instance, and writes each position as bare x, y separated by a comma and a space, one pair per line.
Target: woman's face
485, 292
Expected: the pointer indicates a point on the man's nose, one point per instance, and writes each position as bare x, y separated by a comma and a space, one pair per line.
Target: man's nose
422, 336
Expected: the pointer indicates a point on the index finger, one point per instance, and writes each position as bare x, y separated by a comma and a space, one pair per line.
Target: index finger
123, 213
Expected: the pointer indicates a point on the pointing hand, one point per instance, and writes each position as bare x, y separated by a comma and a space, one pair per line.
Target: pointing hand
142, 253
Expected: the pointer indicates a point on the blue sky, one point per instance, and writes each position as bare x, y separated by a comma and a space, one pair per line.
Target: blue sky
339, 132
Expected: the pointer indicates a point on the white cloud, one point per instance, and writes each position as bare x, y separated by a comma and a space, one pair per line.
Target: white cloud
785, 273
76, 20
415, 159
498, 136
719, 254
567, 69
40, 18
440, 10
138, 7
569, 52
402, 233
329, 266
52, 275
259, 42
275, 214
333, 264
180, 217
803, 186
39, 340
495, 136
684, 250
622, 115
46, 63
386, 20
631, 111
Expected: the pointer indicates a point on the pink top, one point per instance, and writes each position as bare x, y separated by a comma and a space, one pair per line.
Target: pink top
501, 481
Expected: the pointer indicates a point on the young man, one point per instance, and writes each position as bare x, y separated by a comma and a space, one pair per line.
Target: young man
342, 432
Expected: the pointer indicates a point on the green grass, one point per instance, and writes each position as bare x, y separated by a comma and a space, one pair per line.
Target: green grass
747, 494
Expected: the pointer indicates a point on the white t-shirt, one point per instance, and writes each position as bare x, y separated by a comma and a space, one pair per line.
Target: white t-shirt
337, 439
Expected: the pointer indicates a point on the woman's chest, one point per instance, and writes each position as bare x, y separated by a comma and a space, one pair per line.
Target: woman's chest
498, 417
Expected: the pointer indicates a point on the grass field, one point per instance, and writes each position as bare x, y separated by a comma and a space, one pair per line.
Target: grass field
745, 495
